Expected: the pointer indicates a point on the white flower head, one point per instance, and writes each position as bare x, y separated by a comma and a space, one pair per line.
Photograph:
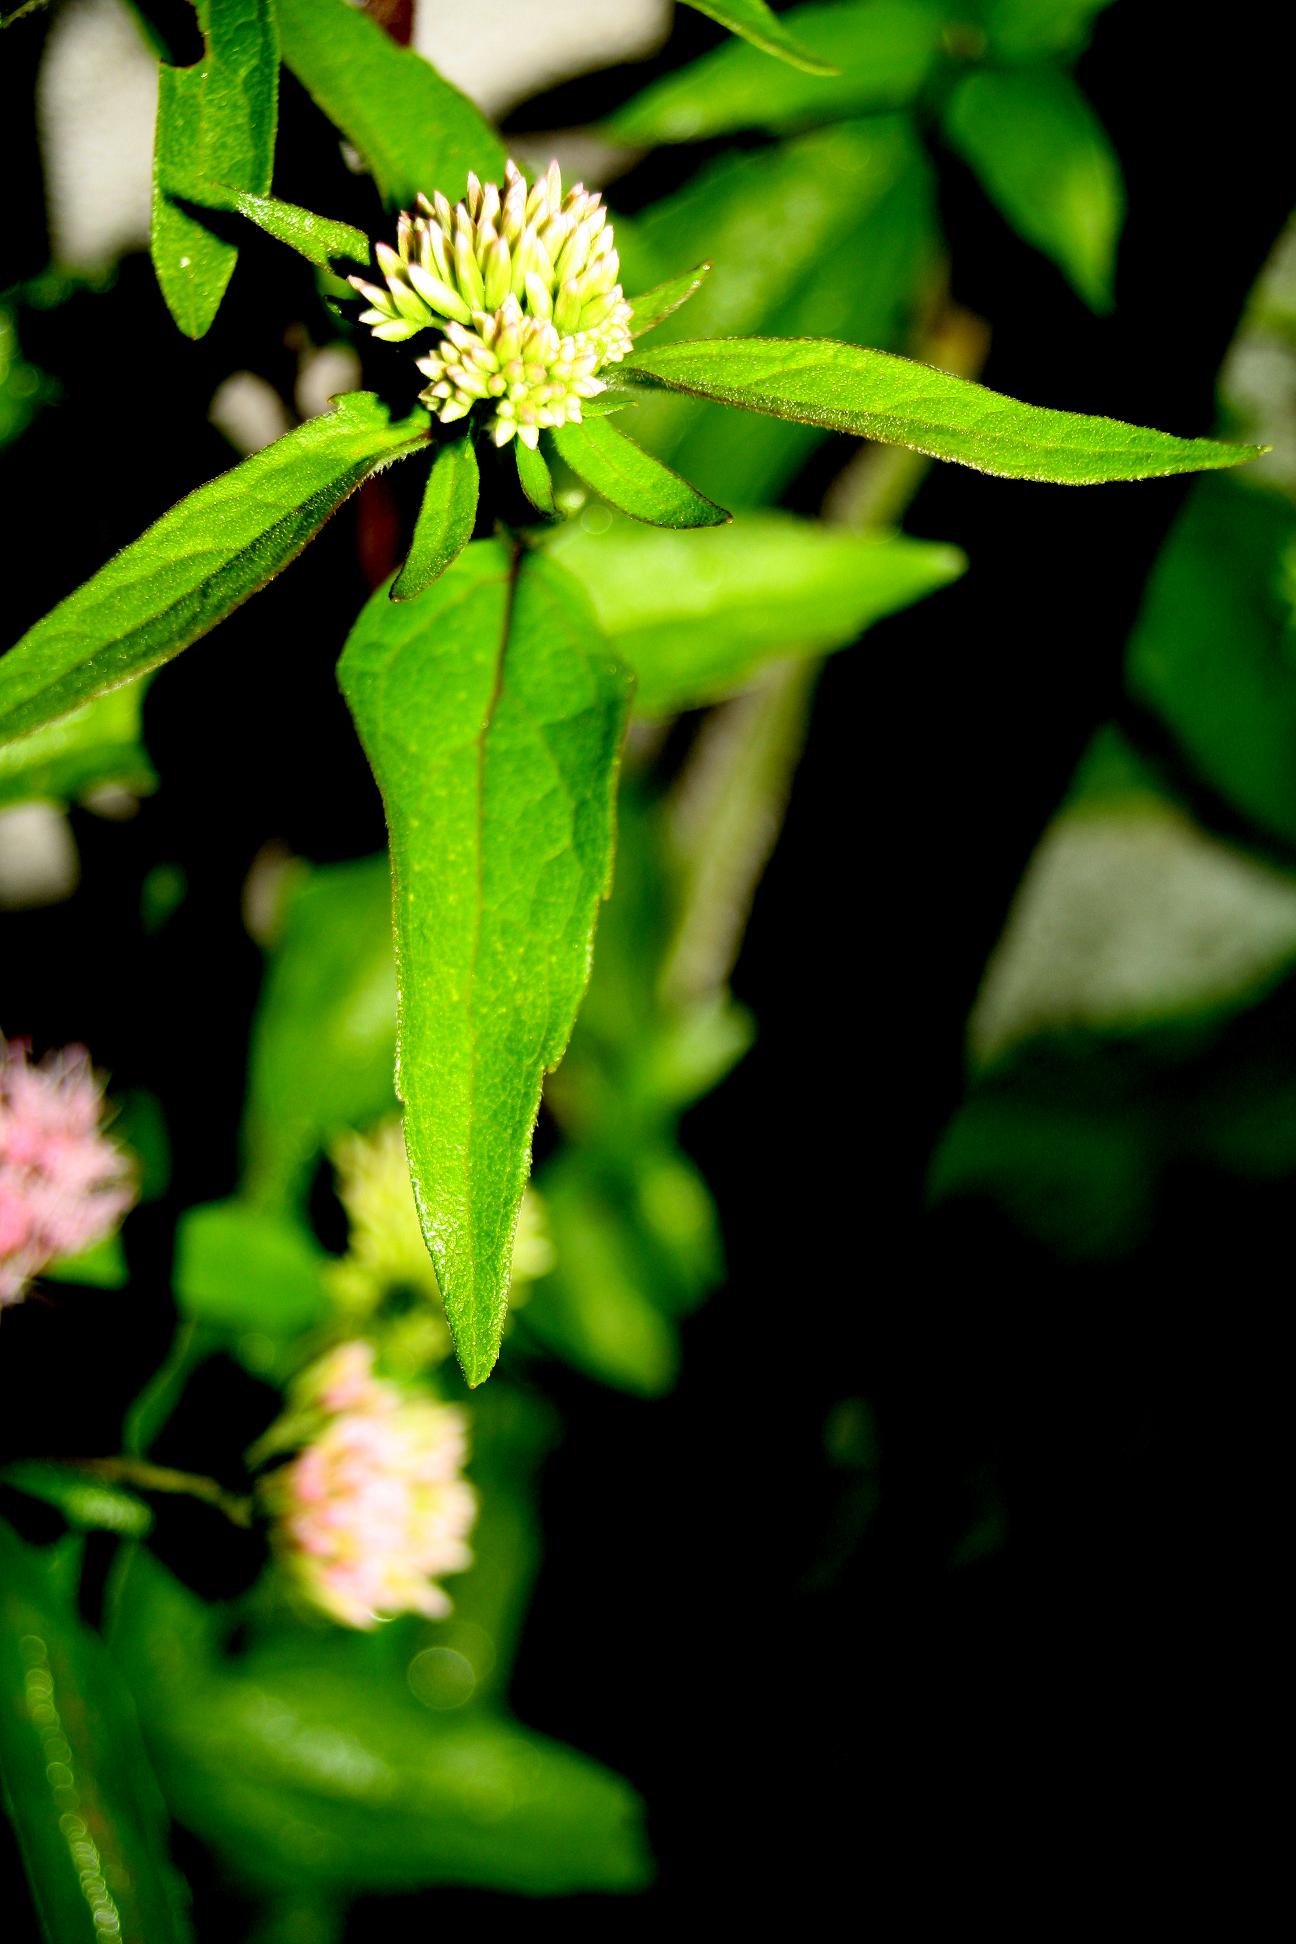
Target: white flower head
519, 284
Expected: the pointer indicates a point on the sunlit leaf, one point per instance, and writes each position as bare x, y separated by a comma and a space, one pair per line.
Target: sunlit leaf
492, 714
656, 305
754, 21
445, 520
884, 49
534, 478
876, 395
414, 130
1044, 158
609, 461
197, 563
318, 238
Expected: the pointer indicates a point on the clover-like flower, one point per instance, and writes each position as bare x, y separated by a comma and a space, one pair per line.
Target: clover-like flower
63, 1184
520, 286
374, 1509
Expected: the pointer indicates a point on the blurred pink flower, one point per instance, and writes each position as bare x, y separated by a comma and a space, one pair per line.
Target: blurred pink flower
63, 1184
375, 1508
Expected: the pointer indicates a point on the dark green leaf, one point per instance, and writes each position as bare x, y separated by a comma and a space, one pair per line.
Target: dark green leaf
1026, 30
413, 129
606, 459
657, 304
78, 1787
87, 1502
215, 124
695, 616
445, 520
324, 1044
317, 238
197, 563
67, 759
1045, 159
101, 1266
238, 1267
885, 50
754, 21
876, 395
534, 478
492, 714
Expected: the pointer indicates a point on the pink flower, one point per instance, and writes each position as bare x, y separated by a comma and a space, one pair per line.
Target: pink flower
375, 1508
63, 1184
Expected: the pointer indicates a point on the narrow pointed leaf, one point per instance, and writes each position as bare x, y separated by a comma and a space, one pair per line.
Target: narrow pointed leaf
492, 713
82, 1799
876, 395
629, 477
1043, 156
414, 130
657, 304
215, 124
534, 478
754, 21
318, 238
198, 563
445, 520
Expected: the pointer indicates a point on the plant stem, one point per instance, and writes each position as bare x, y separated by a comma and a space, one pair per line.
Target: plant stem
148, 1477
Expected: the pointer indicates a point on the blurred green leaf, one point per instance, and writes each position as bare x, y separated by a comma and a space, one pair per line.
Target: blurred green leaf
1044, 157
876, 395
656, 305
696, 616
63, 762
77, 1784
1026, 30
215, 124
23, 388
627, 477
324, 1043
884, 49
89, 1503
1214, 649
414, 130
102, 1266
197, 563
492, 715
302, 1767
445, 520
754, 21
239, 1267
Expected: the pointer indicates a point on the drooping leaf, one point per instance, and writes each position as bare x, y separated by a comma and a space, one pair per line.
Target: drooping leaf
696, 616
884, 51
197, 563
324, 1043
414, 130
445, 520
64, 761
77, 1783
656, 305
239, 1267
318, 238
534, 478
1045, 159
627, 476
492, 714
89, 1504
754, 21
876, 395
215, 124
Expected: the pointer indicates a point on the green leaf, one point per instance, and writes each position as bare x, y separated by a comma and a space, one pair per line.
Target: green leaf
885, 51
1044, 157
626, 476
66, 760
197, 563
445, 520
319, 239
239, 1267
876, 395
656, 305
77, 1784
1026, 30
215, 124
534, 478
86, 1502
324, 1043
492, 714
696, 616
413, 129
101, 1266
754, 21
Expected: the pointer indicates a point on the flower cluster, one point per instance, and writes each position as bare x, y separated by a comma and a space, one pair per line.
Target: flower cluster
63, 1184
521, 286
374, 1508
386, 1280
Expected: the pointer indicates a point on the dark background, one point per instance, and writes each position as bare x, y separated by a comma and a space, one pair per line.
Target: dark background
946, 1574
